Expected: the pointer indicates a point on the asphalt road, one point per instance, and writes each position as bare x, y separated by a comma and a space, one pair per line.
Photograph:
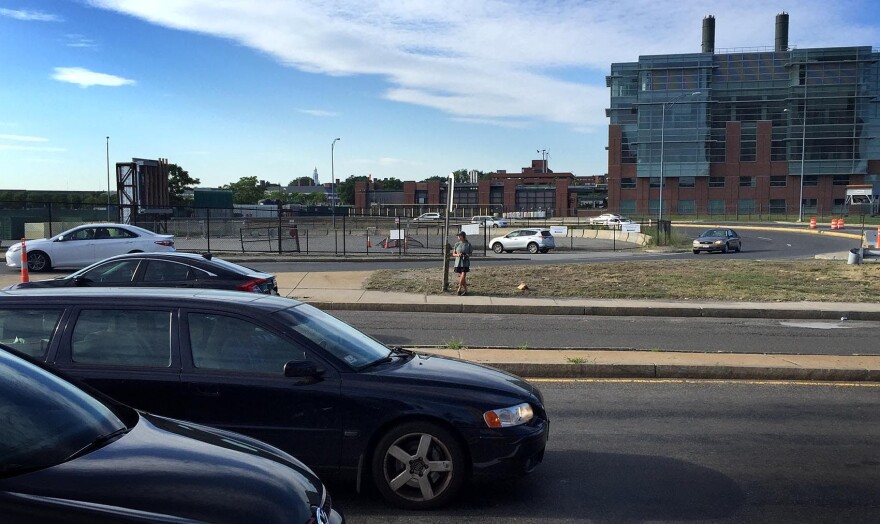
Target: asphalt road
647, 333
757, 245
682, 451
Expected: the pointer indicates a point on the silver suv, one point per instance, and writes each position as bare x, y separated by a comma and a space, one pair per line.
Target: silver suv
534, 240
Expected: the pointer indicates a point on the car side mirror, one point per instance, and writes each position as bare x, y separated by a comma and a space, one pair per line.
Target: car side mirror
302, 368
81, 281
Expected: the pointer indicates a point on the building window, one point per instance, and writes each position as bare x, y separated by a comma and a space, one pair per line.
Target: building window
716, 181
655, 181
745, 206
840, 180
811, 180
687, 207
627, 183
746, 181
628, 207
839, 206
777, 181
686, 181
810, 205
777, 206
716, 207
748, 144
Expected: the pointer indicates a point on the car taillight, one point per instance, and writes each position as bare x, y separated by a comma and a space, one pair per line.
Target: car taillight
252, 286
166, 243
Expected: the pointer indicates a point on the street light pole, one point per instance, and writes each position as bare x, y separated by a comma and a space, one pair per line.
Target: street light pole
666, 104
803, 159
108, 179
333, 182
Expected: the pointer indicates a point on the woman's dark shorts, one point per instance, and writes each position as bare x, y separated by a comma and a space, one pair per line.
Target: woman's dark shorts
461, 269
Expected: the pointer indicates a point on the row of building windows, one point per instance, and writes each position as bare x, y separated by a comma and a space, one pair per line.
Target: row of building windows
744, 181
744, 206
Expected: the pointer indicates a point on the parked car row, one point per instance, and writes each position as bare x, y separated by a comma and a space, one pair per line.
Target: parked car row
283, 372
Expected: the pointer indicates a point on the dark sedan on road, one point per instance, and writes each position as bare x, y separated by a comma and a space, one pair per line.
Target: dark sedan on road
164, 270
721, 239
293, 376
69, 456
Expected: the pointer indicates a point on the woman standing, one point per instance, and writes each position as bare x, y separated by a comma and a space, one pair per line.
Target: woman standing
462, 253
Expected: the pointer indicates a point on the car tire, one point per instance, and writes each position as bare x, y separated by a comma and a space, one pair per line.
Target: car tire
725, 248
533, 248
545, 250
419, 465
739, 247
38, 261
497, 247
696, 251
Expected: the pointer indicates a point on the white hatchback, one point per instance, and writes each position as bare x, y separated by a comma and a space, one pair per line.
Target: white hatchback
87, 244
490, 221
534, 240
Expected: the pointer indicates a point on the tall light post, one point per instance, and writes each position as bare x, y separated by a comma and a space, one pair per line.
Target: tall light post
108, 179
666, 104
803, 159
333, 182
544, 154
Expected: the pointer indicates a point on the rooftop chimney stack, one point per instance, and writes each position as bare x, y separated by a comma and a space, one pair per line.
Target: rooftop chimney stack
709, 34
782, 32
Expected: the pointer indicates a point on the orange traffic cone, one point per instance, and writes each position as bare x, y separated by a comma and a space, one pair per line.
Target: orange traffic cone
878, 238
24, 264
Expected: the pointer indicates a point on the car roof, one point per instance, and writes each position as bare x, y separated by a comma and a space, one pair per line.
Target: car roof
157, 297
195, 259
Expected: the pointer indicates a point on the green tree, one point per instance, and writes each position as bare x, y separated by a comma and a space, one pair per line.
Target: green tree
246, 191
345, 189
461, 176
179, 181
302, 181
391, 184
435, 177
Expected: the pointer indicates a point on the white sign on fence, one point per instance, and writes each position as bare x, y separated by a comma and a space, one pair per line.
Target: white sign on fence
396, 234
471, 229
559, 231
631, 228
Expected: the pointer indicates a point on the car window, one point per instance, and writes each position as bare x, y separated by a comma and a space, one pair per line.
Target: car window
545, 233
162, 271
118, 232
119, 271
122, 338
28, 330
229, 343
86, 233
43, 419
333, 335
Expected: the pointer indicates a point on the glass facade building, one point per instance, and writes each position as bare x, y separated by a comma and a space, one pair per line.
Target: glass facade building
765, 131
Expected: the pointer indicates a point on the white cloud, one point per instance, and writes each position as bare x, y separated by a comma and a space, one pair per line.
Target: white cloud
74, 40
23, 138
85, 78
318, 112
496, 61
19, 147
29, 16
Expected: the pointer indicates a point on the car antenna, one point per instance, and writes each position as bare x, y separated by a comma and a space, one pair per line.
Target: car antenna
207, 256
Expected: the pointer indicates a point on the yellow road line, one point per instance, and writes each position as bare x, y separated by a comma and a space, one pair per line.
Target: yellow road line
697, 381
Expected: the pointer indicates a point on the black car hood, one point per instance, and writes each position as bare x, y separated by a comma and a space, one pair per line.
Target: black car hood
438, 371
163, 466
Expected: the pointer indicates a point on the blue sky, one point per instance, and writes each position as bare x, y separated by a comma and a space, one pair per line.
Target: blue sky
412, 88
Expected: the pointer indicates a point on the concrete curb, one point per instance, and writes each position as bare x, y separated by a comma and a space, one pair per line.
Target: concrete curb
577, 310
695, 372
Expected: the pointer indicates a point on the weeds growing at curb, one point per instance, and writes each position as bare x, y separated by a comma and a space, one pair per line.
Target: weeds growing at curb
454, 344
576, 360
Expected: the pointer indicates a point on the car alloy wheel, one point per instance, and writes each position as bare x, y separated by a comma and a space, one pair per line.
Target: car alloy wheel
38, 261
497, 247
533, 248
418, 465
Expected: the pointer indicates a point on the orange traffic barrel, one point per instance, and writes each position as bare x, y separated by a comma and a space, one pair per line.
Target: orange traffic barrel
833, 223
840, 223
813, 223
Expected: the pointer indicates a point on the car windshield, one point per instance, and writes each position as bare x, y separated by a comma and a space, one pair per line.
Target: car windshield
336, 337
43, 419
713, 233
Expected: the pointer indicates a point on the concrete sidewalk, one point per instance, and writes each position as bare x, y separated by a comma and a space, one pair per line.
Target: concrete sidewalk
343, 290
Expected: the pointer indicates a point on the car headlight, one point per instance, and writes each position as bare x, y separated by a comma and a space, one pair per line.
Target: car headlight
718, 242
15, 248
696, 242
507, 417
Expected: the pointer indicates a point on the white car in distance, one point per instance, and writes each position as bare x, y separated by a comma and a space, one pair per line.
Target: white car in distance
87, 244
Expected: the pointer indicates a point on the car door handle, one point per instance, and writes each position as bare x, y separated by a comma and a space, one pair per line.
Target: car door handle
206, 391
